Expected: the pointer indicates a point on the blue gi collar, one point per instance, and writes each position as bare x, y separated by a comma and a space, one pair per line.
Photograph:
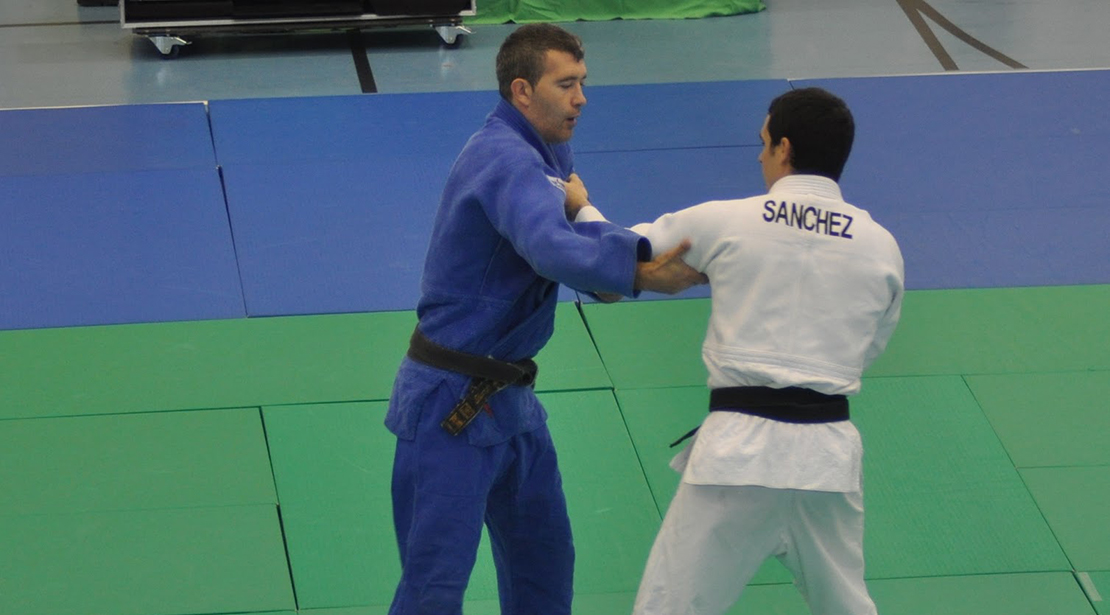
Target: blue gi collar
506, 112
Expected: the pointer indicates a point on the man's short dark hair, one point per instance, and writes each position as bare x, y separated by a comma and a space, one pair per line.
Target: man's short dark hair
820, 129
523, 52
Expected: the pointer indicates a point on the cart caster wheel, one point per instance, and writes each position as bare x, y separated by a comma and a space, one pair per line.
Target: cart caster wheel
452, 35
168, 46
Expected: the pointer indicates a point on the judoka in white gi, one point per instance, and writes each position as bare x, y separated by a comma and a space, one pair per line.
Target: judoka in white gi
806, 291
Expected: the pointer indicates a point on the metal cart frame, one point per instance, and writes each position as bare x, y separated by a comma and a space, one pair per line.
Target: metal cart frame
169, 35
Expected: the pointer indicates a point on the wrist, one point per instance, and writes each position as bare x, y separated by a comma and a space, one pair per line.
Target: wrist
643, 275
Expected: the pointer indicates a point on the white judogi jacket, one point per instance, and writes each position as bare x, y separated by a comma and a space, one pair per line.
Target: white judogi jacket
806, 291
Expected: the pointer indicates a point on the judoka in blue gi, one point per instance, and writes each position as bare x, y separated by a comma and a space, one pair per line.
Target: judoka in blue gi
500, 245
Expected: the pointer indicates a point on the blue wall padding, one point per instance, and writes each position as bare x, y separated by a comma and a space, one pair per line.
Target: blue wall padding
640, 186
616, 118
1004, 248
950, 174
337, 179
634, 187
331, 199
674, 115
116, 214
976, 106
986, 180
333, 236
346, 127
94, 139
122, 247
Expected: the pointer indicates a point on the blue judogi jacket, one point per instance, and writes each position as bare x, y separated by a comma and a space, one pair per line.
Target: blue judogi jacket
500, 246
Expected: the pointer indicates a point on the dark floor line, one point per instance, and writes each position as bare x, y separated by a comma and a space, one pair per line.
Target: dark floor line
917, 10
362, 63
959, 33
57, 23
926, 34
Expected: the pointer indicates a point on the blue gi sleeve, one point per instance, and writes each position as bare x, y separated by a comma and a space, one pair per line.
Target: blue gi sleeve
525, 205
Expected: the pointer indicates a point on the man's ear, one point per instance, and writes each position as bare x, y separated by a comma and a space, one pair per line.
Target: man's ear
784, 151
522, 91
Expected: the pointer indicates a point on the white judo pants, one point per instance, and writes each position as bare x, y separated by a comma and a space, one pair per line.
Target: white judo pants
714, 539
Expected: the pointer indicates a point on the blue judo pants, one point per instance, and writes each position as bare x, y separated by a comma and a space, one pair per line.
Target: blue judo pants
444, 489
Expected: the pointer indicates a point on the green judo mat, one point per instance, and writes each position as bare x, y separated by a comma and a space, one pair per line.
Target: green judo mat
208, 364
1075, 502
942, 496
1000, 330
1097, 586
242, 466
1057, 593
144, 562
332, 466
651, 344
1053, 419
1014, 594
937, 480
135, 461
238, 363
332, 469
1017, 594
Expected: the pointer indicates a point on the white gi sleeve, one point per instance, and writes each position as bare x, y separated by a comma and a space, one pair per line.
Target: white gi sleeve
693, 223
893, 312
589, 213
667, 231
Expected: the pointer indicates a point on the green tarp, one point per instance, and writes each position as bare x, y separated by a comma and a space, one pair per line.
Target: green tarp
530, 11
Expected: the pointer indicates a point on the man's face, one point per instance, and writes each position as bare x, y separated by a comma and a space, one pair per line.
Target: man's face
775, 159
554, 104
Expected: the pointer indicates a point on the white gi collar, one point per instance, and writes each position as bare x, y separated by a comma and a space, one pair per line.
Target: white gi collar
808, 184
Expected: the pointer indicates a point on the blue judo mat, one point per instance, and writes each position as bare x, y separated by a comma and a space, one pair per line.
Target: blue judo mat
115, 247
321, 205
104, 139
986, 180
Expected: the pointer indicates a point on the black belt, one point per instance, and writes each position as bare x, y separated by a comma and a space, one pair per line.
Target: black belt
489, 376
787, 405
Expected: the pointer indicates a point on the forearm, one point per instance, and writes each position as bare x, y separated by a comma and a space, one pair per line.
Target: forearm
668, 273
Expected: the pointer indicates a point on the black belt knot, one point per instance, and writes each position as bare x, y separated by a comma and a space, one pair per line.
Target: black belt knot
489, 376
787, 405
